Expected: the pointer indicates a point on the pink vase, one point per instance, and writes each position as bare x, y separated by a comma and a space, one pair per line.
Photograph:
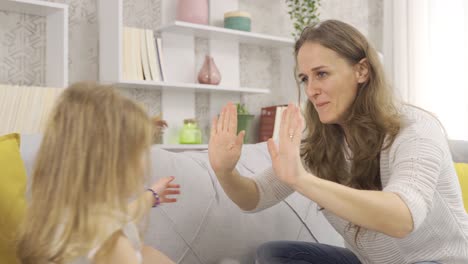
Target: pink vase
193, 11
209, 73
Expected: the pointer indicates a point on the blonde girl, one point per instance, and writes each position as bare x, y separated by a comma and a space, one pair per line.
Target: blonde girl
87, 189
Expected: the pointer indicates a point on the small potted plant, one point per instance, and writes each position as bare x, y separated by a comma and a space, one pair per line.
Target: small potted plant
303, 13
244, 120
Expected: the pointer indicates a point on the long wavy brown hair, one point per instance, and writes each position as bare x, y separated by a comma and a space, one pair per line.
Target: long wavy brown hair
90, 163
370, 125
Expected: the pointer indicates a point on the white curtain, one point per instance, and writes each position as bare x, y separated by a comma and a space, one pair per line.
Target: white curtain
426, 57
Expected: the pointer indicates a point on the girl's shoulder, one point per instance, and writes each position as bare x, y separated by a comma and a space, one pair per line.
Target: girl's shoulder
124, 246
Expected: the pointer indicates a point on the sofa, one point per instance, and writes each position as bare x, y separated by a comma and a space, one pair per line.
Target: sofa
459, 150
204, 226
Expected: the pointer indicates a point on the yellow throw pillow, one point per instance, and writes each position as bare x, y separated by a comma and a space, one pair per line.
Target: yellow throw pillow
12, 195
462, 171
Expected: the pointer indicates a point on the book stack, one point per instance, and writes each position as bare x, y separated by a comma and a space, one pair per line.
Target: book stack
142, 55
270, 121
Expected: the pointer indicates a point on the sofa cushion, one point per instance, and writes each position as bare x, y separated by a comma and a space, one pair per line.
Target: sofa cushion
462, 171
205, 226
459, 149
12, 194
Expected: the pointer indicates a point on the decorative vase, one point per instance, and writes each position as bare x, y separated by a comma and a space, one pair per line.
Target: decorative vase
193, 11
209, 73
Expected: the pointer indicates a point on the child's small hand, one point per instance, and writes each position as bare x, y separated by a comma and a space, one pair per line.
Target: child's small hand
164, 187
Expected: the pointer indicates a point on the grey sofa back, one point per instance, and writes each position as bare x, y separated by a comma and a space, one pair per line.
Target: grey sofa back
459, 149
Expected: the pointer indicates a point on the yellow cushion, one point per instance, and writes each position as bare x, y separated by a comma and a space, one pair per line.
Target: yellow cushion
12, 195
462, 171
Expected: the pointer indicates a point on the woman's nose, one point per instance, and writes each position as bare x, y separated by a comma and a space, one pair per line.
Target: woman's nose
312, 89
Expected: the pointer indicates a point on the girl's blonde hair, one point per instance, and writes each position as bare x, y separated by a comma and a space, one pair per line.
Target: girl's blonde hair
91, 162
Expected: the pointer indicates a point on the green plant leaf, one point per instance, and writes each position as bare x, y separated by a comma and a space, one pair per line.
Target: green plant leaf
302, 14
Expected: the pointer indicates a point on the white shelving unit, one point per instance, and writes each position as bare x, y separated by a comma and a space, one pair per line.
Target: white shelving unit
211, 32
110, 41
178, 40
56, 34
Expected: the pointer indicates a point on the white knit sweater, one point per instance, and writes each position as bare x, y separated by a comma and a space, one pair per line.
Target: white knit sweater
419, 168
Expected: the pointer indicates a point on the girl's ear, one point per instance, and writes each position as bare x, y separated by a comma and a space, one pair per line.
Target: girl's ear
362, 70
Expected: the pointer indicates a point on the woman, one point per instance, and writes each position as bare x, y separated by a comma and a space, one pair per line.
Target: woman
381, 171
92, 161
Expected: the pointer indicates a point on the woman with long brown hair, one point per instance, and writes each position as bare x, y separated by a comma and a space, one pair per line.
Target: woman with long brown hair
87, 190
381, 170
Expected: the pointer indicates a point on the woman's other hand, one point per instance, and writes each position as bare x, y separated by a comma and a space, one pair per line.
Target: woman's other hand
286, 159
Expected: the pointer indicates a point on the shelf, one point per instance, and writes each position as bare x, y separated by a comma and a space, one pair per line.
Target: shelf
31, 7
212, 32
181, 147
185, 86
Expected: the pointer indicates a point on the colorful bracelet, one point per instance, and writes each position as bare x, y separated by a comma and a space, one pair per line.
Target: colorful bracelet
156, 197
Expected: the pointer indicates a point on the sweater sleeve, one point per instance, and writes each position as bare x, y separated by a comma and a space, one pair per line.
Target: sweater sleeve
271, 190
416, 168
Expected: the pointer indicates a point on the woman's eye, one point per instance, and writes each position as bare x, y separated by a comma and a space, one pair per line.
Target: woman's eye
304, 80
321, 75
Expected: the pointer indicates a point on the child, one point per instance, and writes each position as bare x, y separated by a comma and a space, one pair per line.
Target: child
91, 164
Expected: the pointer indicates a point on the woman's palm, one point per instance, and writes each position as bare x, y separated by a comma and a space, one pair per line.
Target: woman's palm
225, 145
286, 160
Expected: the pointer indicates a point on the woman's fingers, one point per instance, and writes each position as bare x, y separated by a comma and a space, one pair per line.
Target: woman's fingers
227, 121
286, 132
214, 126
233, 120
227, 116
221, 120
283, 129
240, 138
299, 126
272, 149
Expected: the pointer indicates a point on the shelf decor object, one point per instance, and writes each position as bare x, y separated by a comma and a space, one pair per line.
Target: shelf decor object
238, 20
193, 11
209, 73
190, 132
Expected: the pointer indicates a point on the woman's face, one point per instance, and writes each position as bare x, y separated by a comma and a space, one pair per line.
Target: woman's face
329, 81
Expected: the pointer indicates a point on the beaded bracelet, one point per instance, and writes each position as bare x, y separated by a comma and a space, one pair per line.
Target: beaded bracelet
156, 197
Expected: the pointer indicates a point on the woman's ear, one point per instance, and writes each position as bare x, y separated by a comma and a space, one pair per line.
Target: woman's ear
362, 70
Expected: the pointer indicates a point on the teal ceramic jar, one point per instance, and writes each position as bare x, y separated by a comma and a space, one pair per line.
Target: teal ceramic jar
238, 20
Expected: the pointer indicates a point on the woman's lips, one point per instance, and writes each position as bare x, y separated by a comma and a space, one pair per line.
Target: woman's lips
321, 104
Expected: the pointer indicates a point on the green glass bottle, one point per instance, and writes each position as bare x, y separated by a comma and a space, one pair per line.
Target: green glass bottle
190, 133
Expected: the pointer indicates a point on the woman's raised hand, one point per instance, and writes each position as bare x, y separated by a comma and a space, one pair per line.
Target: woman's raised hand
286, 159
224, 148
